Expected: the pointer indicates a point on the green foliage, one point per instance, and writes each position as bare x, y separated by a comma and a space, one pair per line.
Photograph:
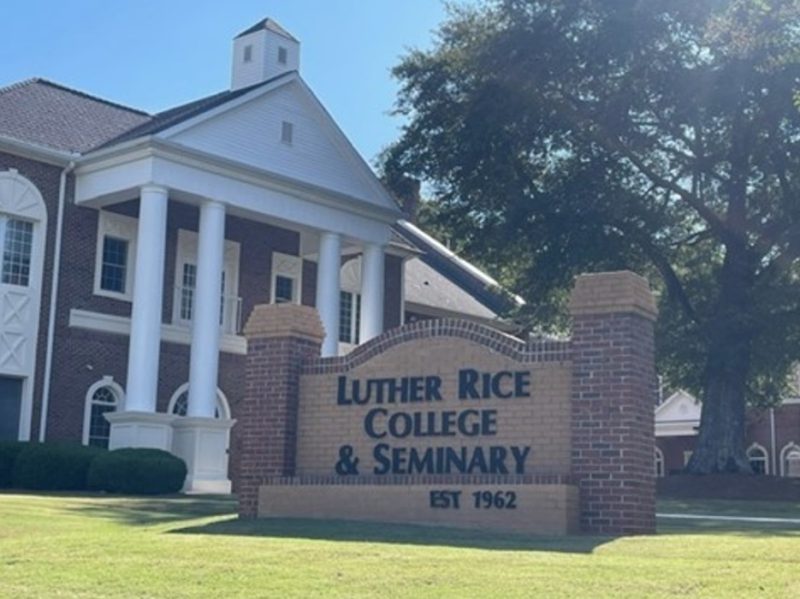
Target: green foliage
137, 471
53, 466
662, 136
9, 450
571, 136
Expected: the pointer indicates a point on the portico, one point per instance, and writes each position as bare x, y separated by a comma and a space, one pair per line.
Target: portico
200, 438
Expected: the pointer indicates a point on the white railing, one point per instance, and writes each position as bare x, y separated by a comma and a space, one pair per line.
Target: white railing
230, 310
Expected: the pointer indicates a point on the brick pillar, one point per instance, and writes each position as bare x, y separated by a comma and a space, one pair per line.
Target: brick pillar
613, 402
280, 337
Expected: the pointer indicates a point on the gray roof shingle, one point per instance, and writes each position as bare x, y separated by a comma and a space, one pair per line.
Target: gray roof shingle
47, 114
173, 116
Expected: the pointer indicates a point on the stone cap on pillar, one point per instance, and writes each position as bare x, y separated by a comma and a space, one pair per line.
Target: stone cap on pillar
284, 320
612, 292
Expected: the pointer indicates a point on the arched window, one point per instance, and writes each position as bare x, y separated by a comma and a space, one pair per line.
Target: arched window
790, 460
102, 397
758, 458
659, 465
179, 403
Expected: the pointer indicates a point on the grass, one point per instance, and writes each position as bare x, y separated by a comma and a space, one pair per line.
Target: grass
93, 546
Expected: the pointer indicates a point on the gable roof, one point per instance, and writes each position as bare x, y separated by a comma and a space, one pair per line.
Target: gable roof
480, 286
47, 114
179, 114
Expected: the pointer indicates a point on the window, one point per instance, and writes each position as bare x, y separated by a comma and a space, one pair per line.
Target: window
757, 456
687, 456
17, 248
187, 288
287, 274
349, 317
186, 283
659, 463
179, 403
790, 460
282, 55
284, 289
116, 242
103, 397
287, 132
248, 53
115, 264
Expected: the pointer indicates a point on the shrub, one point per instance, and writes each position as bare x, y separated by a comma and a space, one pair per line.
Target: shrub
137, 471
9, 450
54, 466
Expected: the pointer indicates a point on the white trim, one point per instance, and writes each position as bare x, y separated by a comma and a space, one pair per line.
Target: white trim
122, 227
763, 450
248, 191
222, 401
170, 333
455, 258
186, 253
36, 152
20, 198
787, 449
659, 457
290, 267
119, 394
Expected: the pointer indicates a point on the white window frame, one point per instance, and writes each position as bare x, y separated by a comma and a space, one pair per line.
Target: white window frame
121, 227
764, 453
350, 282
119, 393
659, 461
787, 449
187, 254
290, 267
222, 404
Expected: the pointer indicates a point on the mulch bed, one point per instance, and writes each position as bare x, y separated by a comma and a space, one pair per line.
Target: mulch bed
729, 486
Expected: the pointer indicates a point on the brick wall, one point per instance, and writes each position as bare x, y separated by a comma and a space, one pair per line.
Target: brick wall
280, 339
613, 396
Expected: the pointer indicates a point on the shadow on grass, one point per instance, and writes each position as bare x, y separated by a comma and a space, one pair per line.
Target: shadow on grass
145, 511
670, 526
404, 534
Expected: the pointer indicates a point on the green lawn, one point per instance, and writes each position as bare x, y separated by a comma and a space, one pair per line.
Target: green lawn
89, 546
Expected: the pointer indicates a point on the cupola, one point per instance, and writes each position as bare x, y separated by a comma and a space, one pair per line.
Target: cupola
263, 52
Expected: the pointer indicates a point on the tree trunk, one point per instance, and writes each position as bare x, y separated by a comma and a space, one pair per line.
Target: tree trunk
720, 442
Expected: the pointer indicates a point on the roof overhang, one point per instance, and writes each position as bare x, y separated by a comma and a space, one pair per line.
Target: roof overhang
36, 152
115, 174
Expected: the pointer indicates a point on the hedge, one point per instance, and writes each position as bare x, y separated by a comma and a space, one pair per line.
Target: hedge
9, 450
137, 471
54, 466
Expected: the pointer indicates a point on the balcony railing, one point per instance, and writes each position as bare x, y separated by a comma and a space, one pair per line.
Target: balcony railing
230, 312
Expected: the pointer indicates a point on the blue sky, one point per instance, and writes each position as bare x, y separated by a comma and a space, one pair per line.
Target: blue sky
156, 54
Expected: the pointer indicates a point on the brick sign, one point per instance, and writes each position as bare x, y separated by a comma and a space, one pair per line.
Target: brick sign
453, 423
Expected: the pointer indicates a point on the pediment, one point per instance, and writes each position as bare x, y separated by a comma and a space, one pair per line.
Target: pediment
679, 407
252, 132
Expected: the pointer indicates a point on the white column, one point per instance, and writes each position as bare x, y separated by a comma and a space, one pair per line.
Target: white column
372, 281
148, 287
206, 311
330, 261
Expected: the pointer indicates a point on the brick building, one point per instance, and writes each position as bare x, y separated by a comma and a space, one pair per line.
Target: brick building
772, 434
134, 245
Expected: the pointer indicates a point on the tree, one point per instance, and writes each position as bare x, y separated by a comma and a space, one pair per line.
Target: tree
568, 135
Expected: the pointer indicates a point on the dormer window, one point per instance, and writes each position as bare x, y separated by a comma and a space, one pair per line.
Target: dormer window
248, 53
283, 55
287, 132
